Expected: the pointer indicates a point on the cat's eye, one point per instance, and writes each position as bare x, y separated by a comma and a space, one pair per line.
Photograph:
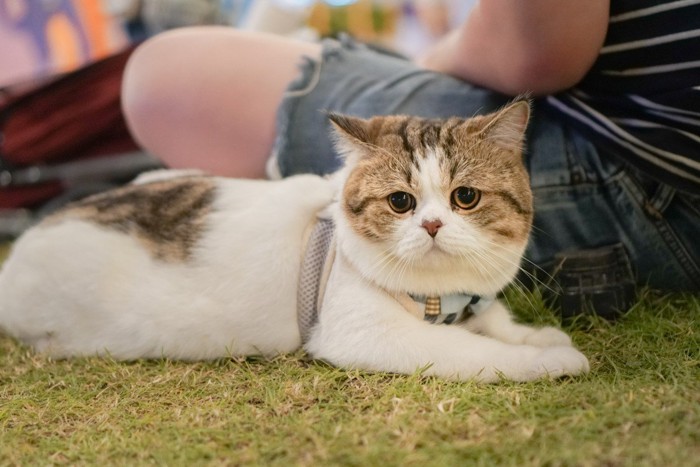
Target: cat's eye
401, 202
466, 197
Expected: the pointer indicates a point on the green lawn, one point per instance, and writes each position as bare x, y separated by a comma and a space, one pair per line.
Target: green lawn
640, 405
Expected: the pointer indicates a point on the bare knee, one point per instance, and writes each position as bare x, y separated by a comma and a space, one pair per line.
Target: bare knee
203, 98
151, 87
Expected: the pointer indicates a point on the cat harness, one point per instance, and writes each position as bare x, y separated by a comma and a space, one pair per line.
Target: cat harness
316, 266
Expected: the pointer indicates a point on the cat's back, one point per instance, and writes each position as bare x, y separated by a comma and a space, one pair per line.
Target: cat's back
175, 217
178, 256
178, 219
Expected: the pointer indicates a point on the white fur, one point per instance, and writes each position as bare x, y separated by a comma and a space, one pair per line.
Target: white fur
158, 175
78, 289
73, 288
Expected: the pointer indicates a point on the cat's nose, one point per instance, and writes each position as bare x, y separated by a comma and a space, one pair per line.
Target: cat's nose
432, 227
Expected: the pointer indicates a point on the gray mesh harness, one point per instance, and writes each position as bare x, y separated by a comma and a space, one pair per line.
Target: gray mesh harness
312, 267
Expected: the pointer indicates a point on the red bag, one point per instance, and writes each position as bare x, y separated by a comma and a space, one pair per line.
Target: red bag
45, 131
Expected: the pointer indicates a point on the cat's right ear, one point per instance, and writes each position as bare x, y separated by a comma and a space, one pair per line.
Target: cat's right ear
507, 127
353, 127
351, 136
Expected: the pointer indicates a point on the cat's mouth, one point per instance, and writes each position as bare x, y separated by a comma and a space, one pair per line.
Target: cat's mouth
435, 248
434, 245
441, 244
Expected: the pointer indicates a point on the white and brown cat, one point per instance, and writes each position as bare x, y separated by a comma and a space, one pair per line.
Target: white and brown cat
430, 219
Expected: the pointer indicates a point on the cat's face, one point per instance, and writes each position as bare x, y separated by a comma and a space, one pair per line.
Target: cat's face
443, 205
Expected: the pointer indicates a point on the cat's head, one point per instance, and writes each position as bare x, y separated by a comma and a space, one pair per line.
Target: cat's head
435, 206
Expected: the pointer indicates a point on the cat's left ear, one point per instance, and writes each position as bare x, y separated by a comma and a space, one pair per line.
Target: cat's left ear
352, 135
507, 128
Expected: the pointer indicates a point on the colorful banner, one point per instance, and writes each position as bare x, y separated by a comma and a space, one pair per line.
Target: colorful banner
44, 37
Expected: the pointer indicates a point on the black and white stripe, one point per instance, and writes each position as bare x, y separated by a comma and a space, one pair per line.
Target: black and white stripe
641, 99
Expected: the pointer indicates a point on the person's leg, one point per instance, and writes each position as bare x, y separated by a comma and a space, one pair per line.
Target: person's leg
207, 97
353, 79
586, 198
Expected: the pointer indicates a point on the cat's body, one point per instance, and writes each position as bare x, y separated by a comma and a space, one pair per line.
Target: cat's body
74, 287
195, 267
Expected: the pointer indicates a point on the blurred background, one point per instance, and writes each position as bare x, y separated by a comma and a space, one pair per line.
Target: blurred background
43, 37
62, 133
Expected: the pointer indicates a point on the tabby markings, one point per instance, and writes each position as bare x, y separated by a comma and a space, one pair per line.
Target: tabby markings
168, 217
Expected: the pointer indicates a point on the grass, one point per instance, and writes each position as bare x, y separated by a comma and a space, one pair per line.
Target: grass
640, 405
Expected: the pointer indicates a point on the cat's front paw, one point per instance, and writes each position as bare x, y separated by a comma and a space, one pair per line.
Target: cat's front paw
554, 362
548, 337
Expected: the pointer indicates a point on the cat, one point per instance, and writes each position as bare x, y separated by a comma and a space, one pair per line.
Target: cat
425, 223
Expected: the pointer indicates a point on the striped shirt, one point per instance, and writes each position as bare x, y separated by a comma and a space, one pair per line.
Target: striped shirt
641, 98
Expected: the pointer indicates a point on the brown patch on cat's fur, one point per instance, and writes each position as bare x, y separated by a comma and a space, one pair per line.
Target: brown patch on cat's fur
386, 168
475, 154
168, 217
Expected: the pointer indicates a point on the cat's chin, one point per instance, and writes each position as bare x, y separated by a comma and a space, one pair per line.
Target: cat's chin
431, 270
441, 272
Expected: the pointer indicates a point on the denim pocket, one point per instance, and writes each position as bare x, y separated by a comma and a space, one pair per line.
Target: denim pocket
585, 199
675, 219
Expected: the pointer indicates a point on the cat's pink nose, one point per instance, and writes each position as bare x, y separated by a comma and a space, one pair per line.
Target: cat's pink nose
432, 227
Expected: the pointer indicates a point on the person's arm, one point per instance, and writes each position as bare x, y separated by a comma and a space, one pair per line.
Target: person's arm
516, 46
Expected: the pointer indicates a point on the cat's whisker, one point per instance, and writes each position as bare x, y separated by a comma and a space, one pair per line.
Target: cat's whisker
515, 252
483, 258
549, 278
519, 285
403, 266
476, 262
390, 266
540, 230
386, 259
515, 279
487, 257
406, 265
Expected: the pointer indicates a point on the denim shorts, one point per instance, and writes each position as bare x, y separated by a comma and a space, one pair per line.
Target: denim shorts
583, 197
